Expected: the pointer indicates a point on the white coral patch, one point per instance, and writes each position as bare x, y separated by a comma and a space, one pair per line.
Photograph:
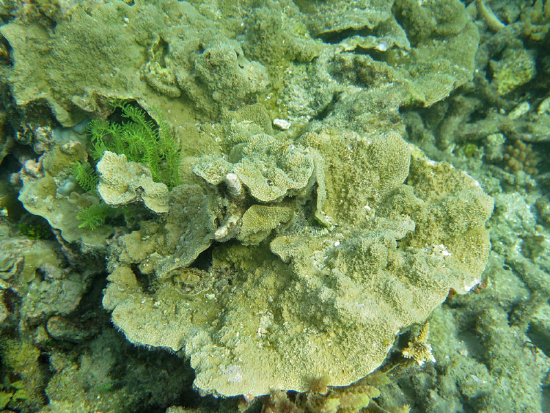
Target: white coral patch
234, 374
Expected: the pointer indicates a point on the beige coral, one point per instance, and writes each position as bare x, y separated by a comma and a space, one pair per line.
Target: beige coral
520, 157
269, 168
316, 300
122, 182
419, 349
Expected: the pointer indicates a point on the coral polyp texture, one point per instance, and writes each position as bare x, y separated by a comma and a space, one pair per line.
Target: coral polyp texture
312, 298
246, 176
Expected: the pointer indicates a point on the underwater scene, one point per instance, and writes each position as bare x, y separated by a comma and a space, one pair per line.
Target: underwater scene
262, 206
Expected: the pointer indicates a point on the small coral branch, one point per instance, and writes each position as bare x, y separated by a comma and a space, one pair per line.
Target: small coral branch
419, 349
488, 16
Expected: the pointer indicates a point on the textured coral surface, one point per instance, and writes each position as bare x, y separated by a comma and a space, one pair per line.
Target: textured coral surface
287, 195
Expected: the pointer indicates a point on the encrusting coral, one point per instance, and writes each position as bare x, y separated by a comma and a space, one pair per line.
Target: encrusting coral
122, 182
279, 312
283, 257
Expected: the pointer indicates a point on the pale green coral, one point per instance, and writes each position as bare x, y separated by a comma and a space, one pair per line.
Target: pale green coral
122, 182
372, 165
430, 19
187, 230
336, 16
276, 32
515, 68
228, 74
313, 294
269, 168
120, 47
259, 220
42, 194
536, 20
285, 257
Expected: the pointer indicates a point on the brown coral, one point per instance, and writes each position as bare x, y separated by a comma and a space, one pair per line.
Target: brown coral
520, 157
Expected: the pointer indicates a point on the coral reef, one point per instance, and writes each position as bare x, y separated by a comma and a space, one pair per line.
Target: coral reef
273, 191
497, 344
536, 20
324, 289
